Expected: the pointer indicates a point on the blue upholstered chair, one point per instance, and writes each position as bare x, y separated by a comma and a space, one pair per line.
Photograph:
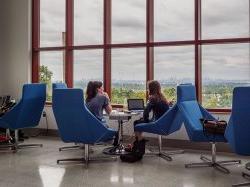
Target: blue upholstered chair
192, 112
238, 129
169, 123
63, 86
26, 113
76, 123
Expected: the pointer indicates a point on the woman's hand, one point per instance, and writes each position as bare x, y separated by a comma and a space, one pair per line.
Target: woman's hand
105, 94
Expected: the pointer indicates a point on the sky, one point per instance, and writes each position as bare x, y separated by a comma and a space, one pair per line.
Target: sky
174, 20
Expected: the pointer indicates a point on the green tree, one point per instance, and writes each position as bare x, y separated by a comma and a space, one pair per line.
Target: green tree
45, 76
170, 93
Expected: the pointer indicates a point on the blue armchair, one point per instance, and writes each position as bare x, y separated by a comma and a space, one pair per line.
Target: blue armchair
169, 123
26, 113
76, 123
58, 86
64, 86
193, 112
238, 129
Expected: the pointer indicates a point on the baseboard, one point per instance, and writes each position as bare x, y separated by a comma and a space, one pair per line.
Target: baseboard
41, 132
173, 143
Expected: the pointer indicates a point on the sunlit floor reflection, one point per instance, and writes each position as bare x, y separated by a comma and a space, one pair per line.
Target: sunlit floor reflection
122, 176
188, 185
121, 179
51, 176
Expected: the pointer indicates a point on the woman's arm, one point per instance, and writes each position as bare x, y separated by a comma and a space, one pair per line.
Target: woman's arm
108, 108
147, 110
107, 105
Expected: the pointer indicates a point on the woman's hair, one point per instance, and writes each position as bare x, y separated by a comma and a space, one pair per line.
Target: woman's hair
154, 88
92, 91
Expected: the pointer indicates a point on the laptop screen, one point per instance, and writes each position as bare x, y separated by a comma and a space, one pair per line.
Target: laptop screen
135, 104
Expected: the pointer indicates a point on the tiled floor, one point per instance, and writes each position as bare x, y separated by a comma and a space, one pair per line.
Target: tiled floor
37, 167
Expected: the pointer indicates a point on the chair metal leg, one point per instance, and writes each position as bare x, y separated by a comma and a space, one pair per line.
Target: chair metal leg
242, 184
166, 155
71, 160
207, 162
69, 148
246, 175
86, 154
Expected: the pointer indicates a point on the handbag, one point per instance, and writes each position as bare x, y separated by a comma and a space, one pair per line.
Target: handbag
214, 127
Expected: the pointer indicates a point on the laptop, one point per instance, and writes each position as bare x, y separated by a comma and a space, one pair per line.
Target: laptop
135, 105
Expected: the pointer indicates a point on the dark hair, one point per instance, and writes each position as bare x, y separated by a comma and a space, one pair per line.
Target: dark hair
154, 88
92, 91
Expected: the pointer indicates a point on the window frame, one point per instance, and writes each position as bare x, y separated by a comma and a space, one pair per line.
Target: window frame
107, 45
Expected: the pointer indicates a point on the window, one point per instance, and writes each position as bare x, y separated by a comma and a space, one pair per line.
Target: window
126, 43
224, 67
173, 66
174, 20
225, 18
52, 23
128, 74
128, 21
87, 66
51, 69
88, 22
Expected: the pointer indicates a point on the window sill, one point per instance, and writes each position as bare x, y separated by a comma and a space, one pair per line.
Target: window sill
212, 110
49, 104
220, 111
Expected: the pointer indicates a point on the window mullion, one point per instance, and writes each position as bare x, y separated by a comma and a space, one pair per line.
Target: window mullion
107, 48
198, 68
69, 43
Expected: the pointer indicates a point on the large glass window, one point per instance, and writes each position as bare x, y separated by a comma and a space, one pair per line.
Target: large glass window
128, 21
173, 66
174, 20
52, 23
224, 67
107, 42
128, 74
225, 18
88, 22
88, 66
51, 69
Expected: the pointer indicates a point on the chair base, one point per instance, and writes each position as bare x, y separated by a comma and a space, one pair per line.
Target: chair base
86, 158
17, 145
212, 162
217, 165
83, 160
165, 155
